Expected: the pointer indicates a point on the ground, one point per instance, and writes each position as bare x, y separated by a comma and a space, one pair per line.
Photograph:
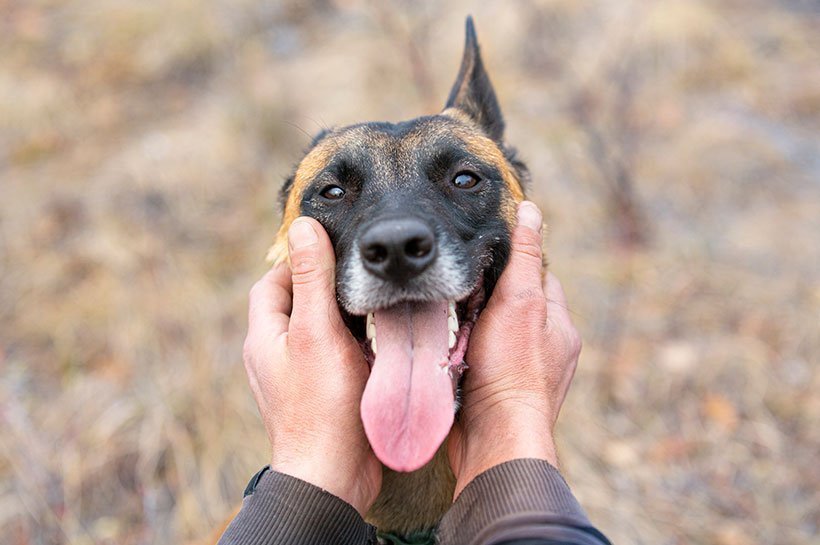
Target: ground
674, 149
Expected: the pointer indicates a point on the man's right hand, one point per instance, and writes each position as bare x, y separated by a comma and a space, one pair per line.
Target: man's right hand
307, 373
522, 357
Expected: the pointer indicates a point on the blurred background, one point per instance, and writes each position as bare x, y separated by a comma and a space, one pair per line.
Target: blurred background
674, 148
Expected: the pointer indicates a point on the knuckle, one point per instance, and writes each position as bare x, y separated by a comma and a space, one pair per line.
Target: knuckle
310, 276
529, 252
305, 265
249, 359
528, 243
256, 290
575, 343
567, 338
248, 351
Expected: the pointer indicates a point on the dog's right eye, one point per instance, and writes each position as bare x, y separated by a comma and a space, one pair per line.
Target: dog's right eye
332, 193
465, 180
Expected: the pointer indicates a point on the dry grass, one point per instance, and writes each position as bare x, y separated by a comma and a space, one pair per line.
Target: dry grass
675, 150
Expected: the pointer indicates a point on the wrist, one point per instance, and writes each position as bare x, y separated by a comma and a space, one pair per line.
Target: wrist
498, 438
330, 478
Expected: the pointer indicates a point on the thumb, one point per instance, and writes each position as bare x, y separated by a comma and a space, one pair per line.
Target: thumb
521, 278
312, 264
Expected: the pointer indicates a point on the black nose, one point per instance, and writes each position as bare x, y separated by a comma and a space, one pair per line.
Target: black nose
397, 249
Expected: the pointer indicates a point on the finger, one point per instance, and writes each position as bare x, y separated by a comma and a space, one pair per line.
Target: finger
554, 292
270, 302
521, 278
558, 316
312, 263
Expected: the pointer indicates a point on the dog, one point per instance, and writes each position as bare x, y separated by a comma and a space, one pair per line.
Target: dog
420, 214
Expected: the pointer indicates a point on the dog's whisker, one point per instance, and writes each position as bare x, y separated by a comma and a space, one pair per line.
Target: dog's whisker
297, 126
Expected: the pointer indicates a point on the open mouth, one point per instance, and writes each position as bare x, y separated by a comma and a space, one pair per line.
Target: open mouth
416, 355
461, 318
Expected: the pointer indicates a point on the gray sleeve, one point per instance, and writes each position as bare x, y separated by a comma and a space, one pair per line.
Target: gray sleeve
524, 501
279, 508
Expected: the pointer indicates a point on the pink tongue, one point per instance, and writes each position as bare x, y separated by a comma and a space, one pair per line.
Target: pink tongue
407, 407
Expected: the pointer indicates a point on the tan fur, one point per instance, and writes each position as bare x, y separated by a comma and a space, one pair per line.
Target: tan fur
487, 149
484, 147
410, 501
313, 163
407, 502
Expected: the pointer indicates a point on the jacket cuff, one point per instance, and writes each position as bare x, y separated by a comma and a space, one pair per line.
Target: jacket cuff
520, 494
284, 509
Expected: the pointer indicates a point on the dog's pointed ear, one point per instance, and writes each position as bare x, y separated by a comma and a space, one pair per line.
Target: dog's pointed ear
473, 93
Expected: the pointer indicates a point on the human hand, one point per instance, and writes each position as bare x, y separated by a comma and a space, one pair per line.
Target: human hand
307, 373
522, 356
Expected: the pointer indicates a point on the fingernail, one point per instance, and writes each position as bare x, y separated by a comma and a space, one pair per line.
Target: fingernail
301, 234
529, 216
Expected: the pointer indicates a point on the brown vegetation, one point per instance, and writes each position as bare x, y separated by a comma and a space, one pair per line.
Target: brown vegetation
674, 147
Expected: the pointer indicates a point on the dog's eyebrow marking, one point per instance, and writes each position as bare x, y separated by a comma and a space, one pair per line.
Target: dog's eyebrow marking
482, 146
346, 171
444, 160
313, 163
489, 151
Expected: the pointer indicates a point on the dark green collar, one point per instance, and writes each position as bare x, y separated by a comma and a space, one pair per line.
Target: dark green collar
423, 537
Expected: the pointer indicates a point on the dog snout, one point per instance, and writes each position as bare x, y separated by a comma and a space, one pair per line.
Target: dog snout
397, 249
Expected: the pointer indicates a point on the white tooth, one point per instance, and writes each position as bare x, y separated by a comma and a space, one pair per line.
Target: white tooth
370, 328
452, 308
373, 345
452, 323
452, 339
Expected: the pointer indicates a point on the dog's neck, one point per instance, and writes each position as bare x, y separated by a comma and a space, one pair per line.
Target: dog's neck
412, 502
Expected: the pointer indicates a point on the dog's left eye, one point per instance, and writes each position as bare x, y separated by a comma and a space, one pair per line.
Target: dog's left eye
333, 193
465, 180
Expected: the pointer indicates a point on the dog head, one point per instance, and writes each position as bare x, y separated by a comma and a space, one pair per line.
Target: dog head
420, 214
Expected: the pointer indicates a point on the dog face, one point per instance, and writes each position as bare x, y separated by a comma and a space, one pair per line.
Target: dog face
420, 214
